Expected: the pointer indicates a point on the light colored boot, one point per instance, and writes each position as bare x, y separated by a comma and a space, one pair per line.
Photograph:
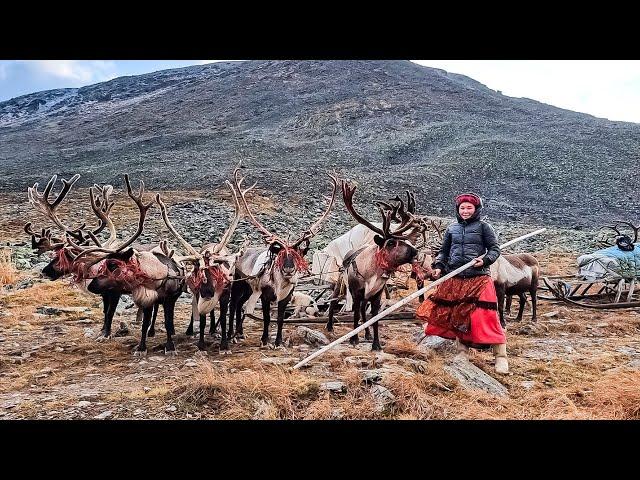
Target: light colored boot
461, 348
500, 351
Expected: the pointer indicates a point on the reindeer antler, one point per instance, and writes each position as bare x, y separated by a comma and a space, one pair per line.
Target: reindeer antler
48, 208
347, 197
234, 223
267, 235
308, 234
187, 246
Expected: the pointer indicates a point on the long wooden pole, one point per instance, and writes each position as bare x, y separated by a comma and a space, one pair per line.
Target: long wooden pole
405, 300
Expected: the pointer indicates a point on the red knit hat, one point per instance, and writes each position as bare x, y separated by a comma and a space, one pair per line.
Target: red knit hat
472, 198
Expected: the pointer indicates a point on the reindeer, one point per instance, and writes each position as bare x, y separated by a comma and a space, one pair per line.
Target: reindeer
368, 268
514, 275
149, 276
270, 273
211, 276
65, 251
326, 262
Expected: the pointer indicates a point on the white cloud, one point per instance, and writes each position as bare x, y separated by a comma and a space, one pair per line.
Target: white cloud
75, 71
603, 88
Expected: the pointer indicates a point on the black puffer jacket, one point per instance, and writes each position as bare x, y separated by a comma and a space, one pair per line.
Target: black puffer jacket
465, 240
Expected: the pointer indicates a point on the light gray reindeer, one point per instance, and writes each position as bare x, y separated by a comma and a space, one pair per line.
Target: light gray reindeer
211, 276
270, 273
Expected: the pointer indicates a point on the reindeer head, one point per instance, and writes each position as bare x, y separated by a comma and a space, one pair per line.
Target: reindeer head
213, 267
287, 256
619, 234
74, 254
45, 241
395, 247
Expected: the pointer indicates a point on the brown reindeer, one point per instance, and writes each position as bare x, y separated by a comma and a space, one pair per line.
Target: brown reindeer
515, 274
112, 268
270, 273
369, 267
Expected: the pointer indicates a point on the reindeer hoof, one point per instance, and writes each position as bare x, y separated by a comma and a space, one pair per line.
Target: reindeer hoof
103, 338
225, 352
376, 347
189, 331
151, 333
280, 347
140, 353
173, 352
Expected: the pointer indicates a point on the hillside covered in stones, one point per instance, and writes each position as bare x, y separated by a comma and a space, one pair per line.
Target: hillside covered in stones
390, 125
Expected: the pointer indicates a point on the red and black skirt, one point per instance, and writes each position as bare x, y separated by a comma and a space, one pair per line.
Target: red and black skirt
464, 308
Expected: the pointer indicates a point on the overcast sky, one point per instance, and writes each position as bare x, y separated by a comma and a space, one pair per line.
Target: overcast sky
604, 88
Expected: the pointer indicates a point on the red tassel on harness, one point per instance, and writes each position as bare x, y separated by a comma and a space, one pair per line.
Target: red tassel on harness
419, 270
197, 278
298, 260
382, 260
127, 274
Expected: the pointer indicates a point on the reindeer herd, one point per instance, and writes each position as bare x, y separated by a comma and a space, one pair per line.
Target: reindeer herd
358, 264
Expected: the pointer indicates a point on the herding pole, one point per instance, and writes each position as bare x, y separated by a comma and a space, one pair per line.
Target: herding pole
395, 306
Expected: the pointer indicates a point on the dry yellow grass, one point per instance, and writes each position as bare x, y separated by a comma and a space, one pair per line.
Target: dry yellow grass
8, 272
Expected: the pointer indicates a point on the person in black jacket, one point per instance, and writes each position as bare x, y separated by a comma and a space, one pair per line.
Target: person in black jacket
465, 306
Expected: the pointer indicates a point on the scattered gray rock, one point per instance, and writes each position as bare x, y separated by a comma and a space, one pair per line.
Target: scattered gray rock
433, 342
104, 415
528, 384
634, 364
123, 331
419, 366
472, 378
48, 310
312, 337
383, 397
279, 360
334, 386
125, 303
357, 361
549, 314
83, 403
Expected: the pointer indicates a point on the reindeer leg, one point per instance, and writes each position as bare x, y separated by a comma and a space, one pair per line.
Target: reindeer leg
152, 328
110, 303
203, 324
266, 318
500, 293
534, 300
240, 315
508, 306
356, 318
523, 301
141, 349
213, 326
224, 305
282, 305
169, 307
333, 304
106, 300
194, 314
375, 308
363, 318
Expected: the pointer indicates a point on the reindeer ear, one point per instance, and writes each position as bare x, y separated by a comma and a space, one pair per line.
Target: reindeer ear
275, 248
379, 240
305, 248
124, 256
